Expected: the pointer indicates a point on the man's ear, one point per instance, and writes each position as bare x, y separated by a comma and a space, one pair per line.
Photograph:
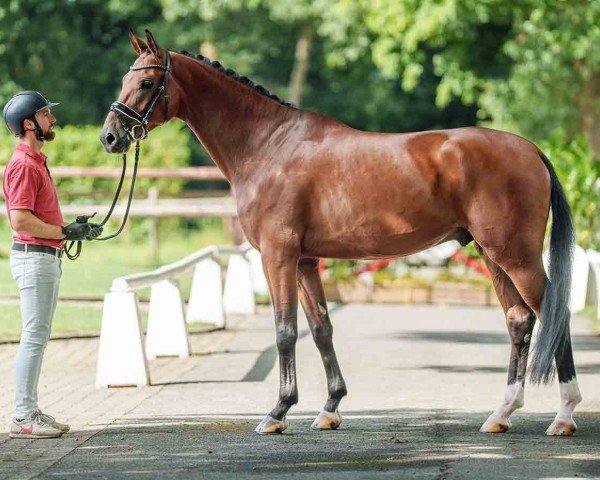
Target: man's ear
152, 44
137, 43
28, 125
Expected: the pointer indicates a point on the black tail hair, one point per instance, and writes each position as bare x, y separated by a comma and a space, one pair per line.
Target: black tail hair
554, 330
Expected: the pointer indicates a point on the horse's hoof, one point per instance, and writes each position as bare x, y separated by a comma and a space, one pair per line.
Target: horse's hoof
495, 424
327, 421
271, 426
562, 428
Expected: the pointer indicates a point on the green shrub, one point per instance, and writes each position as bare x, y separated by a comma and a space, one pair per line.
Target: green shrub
579, 174
166, 146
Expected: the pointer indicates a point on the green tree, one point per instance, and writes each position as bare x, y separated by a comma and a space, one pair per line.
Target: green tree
75, 52
261, 39
530, 65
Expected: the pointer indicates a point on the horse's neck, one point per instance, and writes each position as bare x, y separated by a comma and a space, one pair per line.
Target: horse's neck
232, 121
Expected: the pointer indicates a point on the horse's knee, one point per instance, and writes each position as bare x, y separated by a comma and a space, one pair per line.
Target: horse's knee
322, 333
286, 337
520, 321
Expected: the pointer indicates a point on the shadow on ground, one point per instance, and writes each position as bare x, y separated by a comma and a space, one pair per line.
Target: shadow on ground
432, 444
580, 342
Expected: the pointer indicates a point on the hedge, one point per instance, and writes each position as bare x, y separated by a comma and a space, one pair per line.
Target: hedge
166, 146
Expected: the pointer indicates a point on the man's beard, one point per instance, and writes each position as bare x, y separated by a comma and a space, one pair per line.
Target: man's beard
49, 135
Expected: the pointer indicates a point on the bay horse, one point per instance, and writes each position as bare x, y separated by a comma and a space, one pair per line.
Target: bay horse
308, 186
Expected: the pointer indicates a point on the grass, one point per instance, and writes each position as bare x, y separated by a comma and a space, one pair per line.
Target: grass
69, 319
101, 262
92, 274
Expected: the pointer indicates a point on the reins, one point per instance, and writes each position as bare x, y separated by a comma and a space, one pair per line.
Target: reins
84, 218
138, 131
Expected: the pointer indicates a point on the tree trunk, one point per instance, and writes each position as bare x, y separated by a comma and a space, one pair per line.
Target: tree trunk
590, 112
301, 65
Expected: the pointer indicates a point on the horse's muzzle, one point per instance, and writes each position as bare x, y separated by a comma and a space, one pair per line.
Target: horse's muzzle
114, 141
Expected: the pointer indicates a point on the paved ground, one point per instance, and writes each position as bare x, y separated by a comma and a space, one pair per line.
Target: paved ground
421, 381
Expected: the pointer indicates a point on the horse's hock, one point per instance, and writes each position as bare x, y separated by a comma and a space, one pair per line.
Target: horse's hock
123, 353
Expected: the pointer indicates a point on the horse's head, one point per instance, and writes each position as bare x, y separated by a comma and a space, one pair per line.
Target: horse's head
146, 99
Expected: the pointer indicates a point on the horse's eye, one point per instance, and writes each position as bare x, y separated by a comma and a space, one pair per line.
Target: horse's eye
146, 84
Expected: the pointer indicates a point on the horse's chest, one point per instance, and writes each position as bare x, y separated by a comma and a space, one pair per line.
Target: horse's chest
264, 206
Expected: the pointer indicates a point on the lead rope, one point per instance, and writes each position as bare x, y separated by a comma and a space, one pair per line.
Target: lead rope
85, 218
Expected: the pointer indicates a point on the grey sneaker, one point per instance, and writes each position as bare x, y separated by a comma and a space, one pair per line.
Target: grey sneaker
33, 426
50, 420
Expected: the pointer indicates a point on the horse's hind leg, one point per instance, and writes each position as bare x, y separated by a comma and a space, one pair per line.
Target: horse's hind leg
315, 307
520, 320
529, 278
570, 397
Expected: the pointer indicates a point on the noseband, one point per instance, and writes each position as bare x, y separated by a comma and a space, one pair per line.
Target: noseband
139, 122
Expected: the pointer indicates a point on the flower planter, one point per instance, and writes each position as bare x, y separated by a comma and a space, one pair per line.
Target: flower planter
437, 293
460, 293
401, 294
346, 292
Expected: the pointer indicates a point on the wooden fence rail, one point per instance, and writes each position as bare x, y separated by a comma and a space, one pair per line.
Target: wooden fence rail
153, 207
189, 173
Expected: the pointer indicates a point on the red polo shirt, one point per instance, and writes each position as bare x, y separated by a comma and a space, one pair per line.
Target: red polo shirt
28, 186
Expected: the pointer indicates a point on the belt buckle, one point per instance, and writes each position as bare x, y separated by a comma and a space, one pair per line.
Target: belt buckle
26, 247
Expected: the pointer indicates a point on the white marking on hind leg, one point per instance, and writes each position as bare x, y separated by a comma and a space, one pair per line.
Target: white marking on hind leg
570, 397
499, 421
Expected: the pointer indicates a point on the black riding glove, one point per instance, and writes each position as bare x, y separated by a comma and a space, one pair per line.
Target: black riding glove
96, 231
81, 231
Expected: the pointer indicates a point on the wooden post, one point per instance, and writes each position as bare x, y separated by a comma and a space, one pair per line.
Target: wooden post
153, 199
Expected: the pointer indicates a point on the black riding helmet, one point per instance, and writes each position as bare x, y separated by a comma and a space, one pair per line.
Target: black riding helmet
23, 105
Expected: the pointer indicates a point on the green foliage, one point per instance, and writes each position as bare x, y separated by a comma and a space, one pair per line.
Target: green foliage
502, 56
580, 177
75, 52
341, 270
101, 262
166, 146
352, 89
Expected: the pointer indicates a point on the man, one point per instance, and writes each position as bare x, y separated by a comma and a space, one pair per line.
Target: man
35, 260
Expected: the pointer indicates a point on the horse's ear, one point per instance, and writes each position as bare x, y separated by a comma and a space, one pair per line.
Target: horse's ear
137, 43
152, 43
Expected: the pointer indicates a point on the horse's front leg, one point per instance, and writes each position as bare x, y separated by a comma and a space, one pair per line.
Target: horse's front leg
313, 301
280, 264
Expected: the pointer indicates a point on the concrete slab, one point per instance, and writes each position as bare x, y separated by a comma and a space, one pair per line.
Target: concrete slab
421, 380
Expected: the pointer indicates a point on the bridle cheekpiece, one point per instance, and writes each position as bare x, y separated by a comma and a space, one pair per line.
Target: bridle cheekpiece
139, 122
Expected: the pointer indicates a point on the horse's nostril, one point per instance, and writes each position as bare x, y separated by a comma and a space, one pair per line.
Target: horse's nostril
110, 138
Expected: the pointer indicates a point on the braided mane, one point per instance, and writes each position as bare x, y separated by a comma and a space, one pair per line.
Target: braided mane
236, 76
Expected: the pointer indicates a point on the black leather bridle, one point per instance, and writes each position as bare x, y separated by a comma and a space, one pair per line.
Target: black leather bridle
138, 129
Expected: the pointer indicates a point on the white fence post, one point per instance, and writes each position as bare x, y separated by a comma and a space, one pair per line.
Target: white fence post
594, 258
206, 296
579, 278
239, 292
167, 332
581, 270
121, 357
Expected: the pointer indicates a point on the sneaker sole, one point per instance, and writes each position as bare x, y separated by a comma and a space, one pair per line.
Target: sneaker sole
31, 435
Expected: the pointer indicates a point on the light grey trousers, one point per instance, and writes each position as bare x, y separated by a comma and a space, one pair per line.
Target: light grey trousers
38, 277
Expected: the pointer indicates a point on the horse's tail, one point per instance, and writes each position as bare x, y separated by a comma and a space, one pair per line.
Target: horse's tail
554, 330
